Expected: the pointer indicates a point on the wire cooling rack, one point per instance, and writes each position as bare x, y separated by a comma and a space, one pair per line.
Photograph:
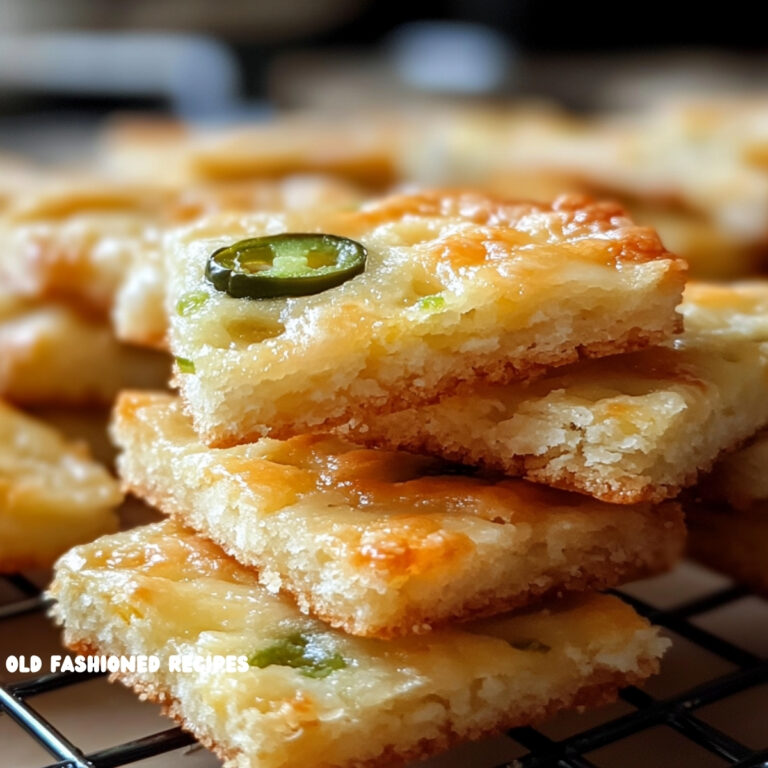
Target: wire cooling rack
678, 712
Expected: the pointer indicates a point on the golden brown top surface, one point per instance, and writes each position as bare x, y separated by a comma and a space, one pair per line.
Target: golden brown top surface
475, 252
506, 226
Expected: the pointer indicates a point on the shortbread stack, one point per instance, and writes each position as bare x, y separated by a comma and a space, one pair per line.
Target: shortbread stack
358, 597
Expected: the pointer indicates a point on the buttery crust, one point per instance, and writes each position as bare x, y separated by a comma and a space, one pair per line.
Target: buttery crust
405, 397
657, 556
632, 491
394, 525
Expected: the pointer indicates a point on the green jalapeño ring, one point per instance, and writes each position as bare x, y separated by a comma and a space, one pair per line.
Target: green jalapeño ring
292, 264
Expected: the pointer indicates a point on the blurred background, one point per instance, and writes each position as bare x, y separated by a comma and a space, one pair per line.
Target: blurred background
64, 64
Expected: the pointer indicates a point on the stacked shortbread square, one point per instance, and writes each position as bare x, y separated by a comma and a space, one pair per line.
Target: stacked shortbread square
383, 605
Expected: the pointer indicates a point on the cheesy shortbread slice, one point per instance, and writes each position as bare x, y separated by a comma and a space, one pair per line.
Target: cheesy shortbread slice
49, 354
52, 494
624, 429
383, 543
299, 693
728, 516
458, 287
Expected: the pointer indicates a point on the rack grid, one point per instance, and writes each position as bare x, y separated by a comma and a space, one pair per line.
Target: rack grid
677, 712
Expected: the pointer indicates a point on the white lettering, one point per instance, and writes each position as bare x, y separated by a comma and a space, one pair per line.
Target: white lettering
22, 664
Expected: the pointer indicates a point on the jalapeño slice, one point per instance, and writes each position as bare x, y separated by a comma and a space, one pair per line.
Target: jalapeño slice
292, 264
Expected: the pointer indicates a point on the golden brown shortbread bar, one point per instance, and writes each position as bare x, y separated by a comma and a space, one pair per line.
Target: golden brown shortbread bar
300, 693
383, 543
458, 287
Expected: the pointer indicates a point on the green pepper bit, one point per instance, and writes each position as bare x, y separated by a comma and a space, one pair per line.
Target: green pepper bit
185, 366
291, 264
299, 652
190, 302
433, 303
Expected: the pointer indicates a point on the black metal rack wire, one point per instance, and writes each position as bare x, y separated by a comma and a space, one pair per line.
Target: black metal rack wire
677, 712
